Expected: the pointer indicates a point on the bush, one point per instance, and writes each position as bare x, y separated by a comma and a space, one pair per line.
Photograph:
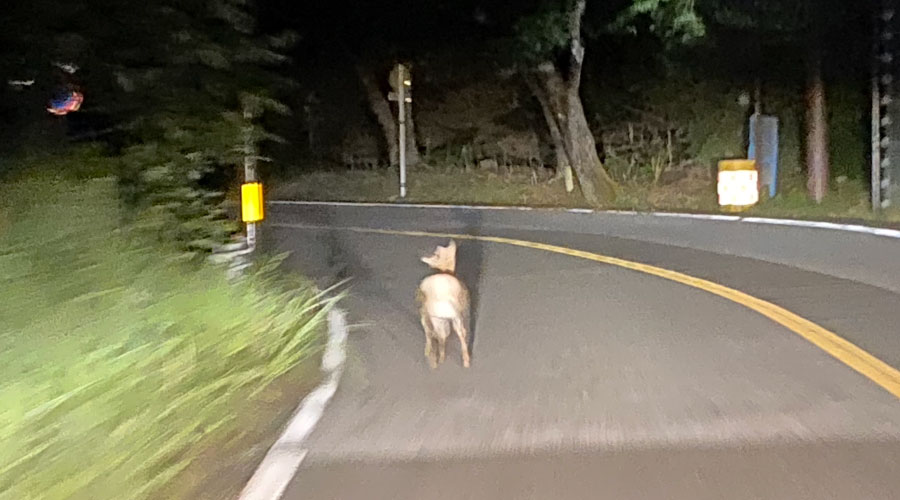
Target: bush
119, 361
162, 184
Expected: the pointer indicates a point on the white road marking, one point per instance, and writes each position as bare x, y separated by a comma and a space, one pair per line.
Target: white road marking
855, 228
283, 459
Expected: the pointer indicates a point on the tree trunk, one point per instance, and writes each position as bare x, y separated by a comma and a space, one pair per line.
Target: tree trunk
584, 153
559, 149
566, 114
563, 99
382, 110
412, 148
311, 112
816, 130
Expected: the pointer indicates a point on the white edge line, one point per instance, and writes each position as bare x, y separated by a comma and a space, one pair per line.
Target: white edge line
399, 205
278, 467
696, 216
854, 228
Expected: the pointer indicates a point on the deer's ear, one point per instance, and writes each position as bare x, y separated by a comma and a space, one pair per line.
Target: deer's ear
432, 258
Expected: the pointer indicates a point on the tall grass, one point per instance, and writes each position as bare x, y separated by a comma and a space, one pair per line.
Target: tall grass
120, 361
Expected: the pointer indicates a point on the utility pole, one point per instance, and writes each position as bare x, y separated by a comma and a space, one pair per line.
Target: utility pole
885, 168
401, 82
876, 110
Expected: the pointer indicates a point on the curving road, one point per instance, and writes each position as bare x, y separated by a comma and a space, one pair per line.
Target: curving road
590, 380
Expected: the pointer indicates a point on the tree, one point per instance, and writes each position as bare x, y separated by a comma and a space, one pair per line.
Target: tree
543, 36
200, 91
184, 82
381, 108
817, 161
550, 52
804, 24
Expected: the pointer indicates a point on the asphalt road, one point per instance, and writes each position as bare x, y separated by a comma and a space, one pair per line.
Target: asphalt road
589, 380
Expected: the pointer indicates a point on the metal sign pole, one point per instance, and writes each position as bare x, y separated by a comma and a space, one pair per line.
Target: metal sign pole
401, 101
250, 174
885, 107
876, 116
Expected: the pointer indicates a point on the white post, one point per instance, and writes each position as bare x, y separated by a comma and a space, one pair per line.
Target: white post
249, 173
401, 101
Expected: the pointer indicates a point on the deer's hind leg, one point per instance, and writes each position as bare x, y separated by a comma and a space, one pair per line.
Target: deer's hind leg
430, 354
459, 325
441, 328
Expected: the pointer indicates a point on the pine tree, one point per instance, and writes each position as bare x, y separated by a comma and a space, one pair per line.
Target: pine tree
192, 104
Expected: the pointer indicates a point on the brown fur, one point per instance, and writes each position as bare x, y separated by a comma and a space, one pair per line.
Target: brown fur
443, 305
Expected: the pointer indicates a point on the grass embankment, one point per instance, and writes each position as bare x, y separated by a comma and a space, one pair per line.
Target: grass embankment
847, 200
127, 372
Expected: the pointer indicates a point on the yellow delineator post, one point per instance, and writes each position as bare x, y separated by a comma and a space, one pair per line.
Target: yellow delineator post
252, 210
738, 184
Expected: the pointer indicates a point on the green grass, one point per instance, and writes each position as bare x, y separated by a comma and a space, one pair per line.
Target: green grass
427, 185
122, 364
847, 200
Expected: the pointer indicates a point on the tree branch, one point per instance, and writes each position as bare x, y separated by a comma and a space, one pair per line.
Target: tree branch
575, 19
551, 90
577, 51
555, 90
381, 109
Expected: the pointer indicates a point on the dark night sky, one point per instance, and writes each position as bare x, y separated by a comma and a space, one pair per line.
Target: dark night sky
418, 26
415, 26
334, 32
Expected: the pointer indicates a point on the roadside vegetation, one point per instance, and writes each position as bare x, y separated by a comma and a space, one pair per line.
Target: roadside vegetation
125, 363
848, 200
130, 366
662, 152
